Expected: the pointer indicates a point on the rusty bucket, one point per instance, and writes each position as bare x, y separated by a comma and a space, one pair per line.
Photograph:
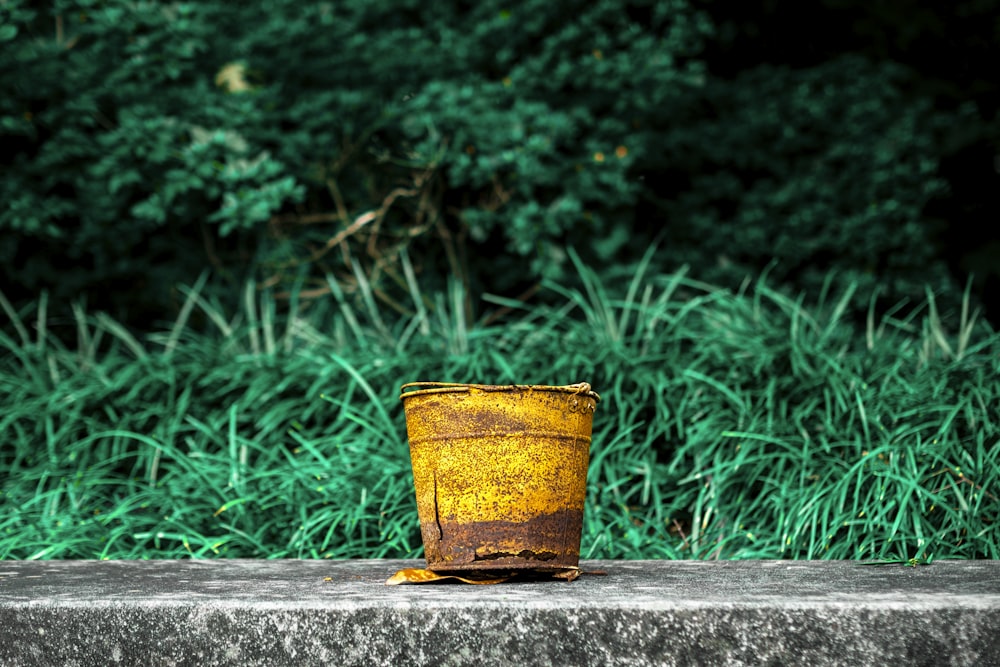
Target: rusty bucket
500, 473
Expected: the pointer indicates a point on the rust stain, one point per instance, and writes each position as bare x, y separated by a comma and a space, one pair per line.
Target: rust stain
549, 540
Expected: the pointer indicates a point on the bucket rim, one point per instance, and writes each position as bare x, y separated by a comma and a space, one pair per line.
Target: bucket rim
422, 388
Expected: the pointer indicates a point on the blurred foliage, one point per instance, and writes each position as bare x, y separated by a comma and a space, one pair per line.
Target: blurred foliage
943, 54
125, 154
292, 140
826, 167
143, 139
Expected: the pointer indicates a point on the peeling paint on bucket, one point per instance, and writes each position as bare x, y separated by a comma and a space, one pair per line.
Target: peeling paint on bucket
500, 473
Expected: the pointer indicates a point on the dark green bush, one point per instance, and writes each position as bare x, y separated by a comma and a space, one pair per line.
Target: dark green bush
150, 141
947, 51
126, 155
146, 134
825, 168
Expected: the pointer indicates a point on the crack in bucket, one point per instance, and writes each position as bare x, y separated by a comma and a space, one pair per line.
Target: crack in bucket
437, 509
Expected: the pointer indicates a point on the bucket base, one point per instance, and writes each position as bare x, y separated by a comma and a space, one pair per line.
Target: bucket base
544, 542
506, 564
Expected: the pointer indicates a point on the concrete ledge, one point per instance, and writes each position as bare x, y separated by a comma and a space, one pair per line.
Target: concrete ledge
643, 612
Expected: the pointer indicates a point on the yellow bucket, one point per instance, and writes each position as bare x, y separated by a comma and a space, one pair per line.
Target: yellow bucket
500, 473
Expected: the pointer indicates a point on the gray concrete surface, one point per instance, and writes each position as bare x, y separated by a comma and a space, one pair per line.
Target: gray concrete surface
242, 612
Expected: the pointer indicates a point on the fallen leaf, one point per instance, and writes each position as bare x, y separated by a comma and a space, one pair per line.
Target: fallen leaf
415, 575
420, 576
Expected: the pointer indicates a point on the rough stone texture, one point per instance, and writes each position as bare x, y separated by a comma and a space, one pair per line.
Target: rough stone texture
642, 612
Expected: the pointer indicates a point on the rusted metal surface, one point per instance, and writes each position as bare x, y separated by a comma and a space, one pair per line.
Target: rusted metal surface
500, 473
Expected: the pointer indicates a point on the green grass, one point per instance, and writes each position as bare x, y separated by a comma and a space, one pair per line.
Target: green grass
732, 425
